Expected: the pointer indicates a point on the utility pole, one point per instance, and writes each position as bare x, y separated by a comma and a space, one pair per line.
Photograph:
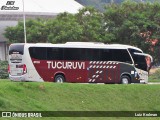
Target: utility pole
24, 23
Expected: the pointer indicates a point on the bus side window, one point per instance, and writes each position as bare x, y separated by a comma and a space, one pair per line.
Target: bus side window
121, 55
83, 54
54, 54
106, 55
38, 53
92, 54
72, 53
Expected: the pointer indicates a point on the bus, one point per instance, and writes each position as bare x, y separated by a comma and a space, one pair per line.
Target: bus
78, 62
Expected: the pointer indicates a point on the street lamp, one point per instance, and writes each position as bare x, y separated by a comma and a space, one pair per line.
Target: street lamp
24, 23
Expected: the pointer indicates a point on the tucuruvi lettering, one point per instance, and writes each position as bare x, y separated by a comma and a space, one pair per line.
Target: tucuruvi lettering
65, 65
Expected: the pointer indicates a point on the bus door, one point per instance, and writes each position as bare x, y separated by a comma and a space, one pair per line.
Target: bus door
96, 72
112, 72
104, 72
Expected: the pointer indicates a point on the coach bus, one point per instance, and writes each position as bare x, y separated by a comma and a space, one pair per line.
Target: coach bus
78, 62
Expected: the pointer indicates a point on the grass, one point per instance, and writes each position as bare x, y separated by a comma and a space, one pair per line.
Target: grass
155, 76
36, 96
44, 96
32, 96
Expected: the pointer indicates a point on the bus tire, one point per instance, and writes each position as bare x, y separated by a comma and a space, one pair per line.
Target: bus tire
59, 79
125, 79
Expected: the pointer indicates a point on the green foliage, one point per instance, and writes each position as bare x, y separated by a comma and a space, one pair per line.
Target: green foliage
127, 23
3, 69
84, 26
155, 77
92, 23
14, 34
129, 20
36, 31
87, 25
35, 96
64, 28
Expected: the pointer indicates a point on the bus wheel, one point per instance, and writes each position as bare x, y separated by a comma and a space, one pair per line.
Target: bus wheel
125, 79
59, 79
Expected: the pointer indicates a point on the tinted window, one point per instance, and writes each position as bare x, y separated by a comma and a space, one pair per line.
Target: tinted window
38, 53
72, 54
91, 54
106, 55
18, 49
133, 50
86, 54
115, 55
140, 62
121, 55
54, 54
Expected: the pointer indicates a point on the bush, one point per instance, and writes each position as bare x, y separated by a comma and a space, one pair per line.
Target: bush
3, 69
155, 77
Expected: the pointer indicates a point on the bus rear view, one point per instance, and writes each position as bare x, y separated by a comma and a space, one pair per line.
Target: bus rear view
17, 69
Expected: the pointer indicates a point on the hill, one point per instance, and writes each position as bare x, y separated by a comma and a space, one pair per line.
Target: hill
34, 96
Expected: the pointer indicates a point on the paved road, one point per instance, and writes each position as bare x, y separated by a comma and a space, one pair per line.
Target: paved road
153, 83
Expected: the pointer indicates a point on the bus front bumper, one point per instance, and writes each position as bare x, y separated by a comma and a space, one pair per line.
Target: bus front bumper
145, 81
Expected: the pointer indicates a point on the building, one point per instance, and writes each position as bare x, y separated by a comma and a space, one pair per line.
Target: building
12, 11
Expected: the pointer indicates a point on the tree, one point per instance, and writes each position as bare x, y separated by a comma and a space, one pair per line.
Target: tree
87, 25
64, 28
92, 23
36, 31
130, 23
134, 23
15, 34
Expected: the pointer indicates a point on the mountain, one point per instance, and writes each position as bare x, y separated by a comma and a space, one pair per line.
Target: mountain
100, 4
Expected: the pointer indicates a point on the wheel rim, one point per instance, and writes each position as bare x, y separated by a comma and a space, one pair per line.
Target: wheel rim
124, 81
59, 80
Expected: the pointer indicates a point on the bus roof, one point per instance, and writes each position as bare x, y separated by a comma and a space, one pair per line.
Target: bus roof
81, 45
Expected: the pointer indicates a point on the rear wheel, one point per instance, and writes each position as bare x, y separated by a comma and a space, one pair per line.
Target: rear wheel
59, 78
125, 79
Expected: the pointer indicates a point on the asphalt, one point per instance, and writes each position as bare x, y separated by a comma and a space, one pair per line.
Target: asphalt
154, 83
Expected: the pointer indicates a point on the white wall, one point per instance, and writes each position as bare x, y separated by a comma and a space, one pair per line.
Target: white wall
3, 26
2, 51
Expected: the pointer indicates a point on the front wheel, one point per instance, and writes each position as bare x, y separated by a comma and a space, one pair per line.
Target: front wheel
59, 78
125, 80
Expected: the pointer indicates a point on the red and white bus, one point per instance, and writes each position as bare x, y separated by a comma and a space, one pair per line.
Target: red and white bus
78, 62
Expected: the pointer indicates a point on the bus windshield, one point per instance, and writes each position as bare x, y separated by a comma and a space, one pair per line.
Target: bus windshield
142, 61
